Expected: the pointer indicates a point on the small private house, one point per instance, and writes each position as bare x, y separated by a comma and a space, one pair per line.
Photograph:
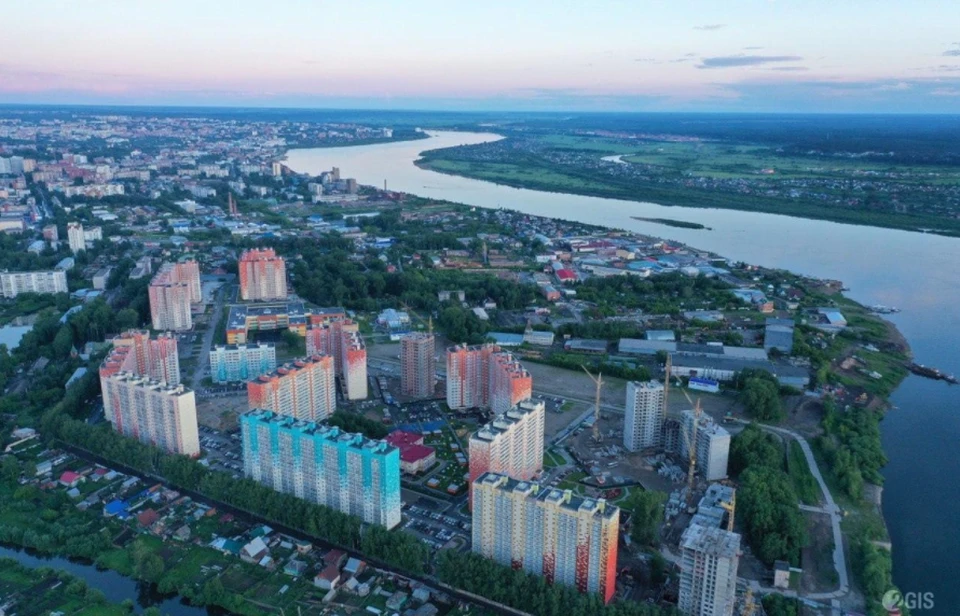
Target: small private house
328, 578
70, 479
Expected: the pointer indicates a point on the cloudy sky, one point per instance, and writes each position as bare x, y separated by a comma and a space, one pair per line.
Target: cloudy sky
610, 55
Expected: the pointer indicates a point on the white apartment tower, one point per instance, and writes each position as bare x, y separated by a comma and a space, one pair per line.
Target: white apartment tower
708, 571
75, 237
511, 444
713, 445
153, 412
15, 283
646, 410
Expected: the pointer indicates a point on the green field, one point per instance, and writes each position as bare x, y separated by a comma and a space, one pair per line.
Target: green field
711, 174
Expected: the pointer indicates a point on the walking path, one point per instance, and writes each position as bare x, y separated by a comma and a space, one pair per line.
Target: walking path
830, 508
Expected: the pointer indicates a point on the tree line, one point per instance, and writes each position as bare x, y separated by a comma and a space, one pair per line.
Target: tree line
400, 550
531, 593
767, 504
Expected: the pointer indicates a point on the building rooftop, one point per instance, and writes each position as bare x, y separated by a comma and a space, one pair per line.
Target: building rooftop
563, 499
328, 433
711, 541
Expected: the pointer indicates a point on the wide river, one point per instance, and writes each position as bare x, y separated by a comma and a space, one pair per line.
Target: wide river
916, 272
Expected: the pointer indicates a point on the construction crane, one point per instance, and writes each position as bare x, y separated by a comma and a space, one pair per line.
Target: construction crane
667, 368
749, 607
598, 380
691, 443
731, 509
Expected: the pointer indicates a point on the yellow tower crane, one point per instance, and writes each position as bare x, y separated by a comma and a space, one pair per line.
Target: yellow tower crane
691, 443
731, 509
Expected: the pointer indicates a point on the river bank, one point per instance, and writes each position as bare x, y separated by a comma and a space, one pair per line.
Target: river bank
881, 266
522, 169
48, 583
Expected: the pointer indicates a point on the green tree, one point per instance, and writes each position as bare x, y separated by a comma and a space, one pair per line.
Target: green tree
647, 516
762, 399
128, 318
768, 506
213, 591
754, 448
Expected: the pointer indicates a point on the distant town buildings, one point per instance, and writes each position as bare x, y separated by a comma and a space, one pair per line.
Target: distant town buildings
485, 377
418, 365
172, 291
263, 275
15, 283
323, 465
241, 362
709, 558
511, 444
304, 389
645, 412
548, 532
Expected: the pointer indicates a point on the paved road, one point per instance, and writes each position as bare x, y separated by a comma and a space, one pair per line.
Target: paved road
830, 508
203, 359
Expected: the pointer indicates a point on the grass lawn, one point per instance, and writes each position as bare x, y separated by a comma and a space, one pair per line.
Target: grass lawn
572, 482
552, 459
803, 481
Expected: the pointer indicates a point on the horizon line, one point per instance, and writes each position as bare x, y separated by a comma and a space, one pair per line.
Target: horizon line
230, 107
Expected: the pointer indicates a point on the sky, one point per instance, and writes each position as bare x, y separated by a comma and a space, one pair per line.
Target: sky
498, 55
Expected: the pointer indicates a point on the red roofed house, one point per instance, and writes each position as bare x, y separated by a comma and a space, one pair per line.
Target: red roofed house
414, 455
416, 458
401, 438
328, 578
566, 275
70, 479
147, 518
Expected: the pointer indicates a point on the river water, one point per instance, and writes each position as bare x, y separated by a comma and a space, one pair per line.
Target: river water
916, 272
115, 586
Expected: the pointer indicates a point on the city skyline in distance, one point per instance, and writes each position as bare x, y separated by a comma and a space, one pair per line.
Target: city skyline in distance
761, 56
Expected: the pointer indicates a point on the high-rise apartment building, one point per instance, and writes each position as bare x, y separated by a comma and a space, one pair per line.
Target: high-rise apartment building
713, 445
263, 275
511, 444
468, 376
75, 237
172, 290
485, 377
709, 558
341, 339
646, 410
152, 411
353, 363
509, 382
418, 365
304, 389
135, 353
549, 532
15, 283
241, 362
323, 465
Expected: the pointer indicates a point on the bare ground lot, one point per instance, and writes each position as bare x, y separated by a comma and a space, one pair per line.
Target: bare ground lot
220, 413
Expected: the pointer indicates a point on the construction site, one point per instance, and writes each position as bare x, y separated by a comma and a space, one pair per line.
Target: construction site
687, 460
